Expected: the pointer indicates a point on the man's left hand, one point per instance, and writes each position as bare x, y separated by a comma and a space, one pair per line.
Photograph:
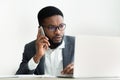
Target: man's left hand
68, 69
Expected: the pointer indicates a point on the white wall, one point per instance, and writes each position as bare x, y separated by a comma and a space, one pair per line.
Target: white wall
18, 24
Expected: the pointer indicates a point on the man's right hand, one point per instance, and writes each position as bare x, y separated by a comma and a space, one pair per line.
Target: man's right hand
42, 44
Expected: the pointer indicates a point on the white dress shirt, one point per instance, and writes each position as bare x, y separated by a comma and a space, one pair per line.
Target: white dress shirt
53, 61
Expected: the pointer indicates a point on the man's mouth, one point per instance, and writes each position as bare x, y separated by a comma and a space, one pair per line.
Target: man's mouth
57, 39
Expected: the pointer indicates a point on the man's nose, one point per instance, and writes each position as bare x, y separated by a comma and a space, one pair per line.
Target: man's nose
57, 31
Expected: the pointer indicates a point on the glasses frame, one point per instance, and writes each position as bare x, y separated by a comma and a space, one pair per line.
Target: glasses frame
54, 28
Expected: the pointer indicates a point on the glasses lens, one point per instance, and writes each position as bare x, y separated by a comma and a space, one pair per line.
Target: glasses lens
61, 26
51, 28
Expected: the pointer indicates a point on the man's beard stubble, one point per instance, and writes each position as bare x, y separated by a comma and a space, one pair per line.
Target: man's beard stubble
54, 45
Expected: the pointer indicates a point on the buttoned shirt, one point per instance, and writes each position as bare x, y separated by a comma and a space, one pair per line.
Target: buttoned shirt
53, 61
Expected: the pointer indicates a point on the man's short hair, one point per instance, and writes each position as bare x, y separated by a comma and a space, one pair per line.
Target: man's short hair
48, 12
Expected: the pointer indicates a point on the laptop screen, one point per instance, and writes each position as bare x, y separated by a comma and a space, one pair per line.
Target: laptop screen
97, 56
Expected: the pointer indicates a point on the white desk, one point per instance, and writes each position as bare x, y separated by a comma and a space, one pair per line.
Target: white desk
37, 78
44, 77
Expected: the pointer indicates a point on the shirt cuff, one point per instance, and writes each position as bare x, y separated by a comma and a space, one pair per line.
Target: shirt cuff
32, 65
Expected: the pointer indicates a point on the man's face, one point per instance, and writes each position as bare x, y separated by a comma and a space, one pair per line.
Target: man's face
53, 21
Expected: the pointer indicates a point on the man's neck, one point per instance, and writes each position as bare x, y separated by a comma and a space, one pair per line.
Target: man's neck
54, 45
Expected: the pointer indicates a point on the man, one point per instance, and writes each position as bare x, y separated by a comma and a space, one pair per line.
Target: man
52, 53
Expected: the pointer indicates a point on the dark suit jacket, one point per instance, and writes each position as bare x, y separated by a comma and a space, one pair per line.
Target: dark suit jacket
29, 52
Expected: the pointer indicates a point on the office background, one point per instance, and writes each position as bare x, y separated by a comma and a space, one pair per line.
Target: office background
18, 24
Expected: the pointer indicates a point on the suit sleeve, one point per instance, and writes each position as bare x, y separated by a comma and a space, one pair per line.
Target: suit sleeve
27, 55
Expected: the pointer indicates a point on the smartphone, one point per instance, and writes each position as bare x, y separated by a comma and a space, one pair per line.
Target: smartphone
42, 31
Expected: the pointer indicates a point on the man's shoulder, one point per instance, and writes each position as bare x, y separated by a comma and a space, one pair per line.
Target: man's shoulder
31, 44
69, 38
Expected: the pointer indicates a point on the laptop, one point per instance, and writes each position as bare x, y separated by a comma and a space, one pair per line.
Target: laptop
97, 56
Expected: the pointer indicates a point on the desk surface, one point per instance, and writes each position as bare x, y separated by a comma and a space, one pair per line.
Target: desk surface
46, 77
38, 78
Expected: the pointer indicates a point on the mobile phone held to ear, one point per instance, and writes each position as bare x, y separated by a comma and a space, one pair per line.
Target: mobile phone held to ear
42, 31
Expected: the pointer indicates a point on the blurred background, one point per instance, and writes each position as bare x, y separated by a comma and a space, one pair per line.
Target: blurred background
19, 25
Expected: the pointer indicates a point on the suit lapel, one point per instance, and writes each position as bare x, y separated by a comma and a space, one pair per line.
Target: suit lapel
66, 52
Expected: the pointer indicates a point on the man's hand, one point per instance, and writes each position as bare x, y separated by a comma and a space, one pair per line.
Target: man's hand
42, 44
69, 69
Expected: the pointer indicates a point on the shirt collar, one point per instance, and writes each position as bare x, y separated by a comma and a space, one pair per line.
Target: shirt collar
62, 45
59, 47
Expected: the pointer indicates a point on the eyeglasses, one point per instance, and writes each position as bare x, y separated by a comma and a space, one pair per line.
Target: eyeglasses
61, 27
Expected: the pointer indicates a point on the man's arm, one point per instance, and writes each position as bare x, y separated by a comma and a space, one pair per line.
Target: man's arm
23, 69
29, 52
68, 55
35, 50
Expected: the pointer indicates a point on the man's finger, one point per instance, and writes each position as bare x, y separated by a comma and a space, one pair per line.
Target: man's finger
68, 69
